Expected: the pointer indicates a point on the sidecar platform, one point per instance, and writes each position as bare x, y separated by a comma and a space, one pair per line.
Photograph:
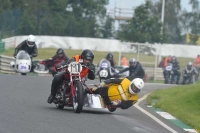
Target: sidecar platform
94, 101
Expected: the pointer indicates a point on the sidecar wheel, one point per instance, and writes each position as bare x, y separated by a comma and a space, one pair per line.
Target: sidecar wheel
111, 109
23, 73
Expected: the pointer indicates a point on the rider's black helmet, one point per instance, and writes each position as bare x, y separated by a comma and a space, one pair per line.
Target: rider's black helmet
60, 51
87, 54
109, 55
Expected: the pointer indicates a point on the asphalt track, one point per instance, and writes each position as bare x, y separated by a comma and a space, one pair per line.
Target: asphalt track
23, 109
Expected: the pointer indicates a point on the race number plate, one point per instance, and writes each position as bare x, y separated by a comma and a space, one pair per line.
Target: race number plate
104, 65
23, 67
168, 68
103, 73
74, 67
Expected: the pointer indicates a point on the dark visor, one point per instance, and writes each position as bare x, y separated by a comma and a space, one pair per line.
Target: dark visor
134, 88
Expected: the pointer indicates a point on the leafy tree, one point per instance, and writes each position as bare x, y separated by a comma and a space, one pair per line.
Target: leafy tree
171, 18
50, 17
5, 5
143, 27
27, 26
194, 21
87, 17
107, 29
17, 4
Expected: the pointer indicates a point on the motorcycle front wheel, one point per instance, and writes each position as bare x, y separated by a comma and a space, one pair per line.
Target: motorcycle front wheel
78, 97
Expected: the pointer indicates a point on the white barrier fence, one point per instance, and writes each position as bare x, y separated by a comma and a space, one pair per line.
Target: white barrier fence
154, 74
109, 45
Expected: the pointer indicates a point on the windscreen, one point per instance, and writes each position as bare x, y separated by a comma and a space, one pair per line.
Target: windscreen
104, 63
22, 55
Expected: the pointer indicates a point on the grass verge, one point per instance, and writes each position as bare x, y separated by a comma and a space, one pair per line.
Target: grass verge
183, 102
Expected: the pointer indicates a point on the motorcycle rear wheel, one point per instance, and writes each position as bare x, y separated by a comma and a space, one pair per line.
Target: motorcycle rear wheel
78, 98
168, 80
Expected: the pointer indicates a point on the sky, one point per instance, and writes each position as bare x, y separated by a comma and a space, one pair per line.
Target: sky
128, 5
134, 3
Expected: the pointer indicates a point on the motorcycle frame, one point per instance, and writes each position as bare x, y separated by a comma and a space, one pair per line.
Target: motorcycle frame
76, 77
73, 78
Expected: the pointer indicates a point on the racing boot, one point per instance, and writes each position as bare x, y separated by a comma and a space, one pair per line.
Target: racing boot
50, 99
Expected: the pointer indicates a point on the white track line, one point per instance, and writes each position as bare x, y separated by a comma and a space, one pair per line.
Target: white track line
151, 116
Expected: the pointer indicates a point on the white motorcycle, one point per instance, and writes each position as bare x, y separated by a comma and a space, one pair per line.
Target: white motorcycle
105, 71
22, 63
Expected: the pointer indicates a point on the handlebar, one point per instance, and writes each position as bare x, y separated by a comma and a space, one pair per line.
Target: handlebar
61, 67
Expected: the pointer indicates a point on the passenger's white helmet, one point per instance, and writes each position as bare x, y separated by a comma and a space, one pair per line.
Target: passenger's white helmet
30, 41
136, 86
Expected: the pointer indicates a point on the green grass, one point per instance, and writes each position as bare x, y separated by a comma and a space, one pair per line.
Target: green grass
49, 52
157, 81
183, 102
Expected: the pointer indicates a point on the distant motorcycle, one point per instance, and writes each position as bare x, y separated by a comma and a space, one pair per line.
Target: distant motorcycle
170, 78
106, 71
48, 66
40, 68
22, 63
190, 79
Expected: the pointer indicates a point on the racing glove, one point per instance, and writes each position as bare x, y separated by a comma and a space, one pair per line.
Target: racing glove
101, 84
91, 67
116, 102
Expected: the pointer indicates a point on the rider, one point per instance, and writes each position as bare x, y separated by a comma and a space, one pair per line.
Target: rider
135, 69
175, 68
56, 59
29, 46
124, 91
110, 57
188, 71
85, 58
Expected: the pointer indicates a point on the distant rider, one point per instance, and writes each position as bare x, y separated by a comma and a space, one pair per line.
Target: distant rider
29, 46
55, 60
135, 69
110, 57
111, 64
175, 69
188, 72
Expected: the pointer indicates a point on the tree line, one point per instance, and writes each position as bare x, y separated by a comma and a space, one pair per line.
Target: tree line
88, 18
